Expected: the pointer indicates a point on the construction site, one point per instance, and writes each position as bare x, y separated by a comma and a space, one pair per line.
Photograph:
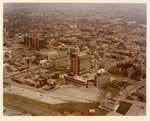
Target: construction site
74, 59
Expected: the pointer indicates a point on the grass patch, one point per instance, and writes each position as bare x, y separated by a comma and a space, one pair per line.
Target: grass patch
124, 107
77, 108
38, 108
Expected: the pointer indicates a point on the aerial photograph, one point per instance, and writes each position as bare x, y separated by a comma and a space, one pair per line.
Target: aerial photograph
74, 59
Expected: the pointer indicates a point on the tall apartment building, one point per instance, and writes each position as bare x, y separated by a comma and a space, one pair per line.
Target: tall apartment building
34, 42
80, 63
75, 63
